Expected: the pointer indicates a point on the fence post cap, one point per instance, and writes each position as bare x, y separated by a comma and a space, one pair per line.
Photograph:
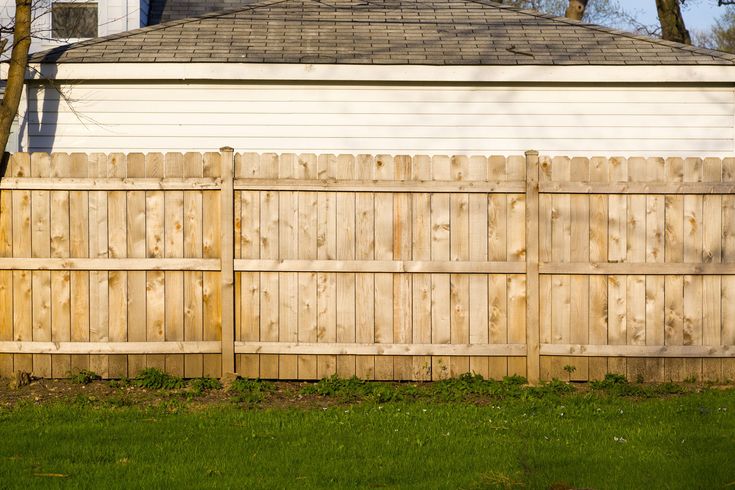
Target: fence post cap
226, 149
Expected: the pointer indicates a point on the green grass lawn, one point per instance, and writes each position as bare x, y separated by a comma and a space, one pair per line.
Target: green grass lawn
549, 439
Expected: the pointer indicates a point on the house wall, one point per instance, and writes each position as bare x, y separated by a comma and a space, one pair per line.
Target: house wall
562, 120
122, 15
114, 16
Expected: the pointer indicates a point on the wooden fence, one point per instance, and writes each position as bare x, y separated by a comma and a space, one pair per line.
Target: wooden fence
303, 266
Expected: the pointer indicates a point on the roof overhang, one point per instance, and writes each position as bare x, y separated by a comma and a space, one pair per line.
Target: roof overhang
686, 74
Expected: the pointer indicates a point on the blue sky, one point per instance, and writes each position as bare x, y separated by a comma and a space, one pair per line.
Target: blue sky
700, 15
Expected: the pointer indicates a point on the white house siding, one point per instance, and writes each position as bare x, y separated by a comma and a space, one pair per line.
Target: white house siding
118, 16
113, 16
589, 120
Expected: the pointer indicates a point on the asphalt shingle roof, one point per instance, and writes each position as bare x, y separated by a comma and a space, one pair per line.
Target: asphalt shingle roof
379, 32
161, 11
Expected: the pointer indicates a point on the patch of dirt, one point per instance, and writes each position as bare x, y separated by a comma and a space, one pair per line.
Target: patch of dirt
280, 394
112, 393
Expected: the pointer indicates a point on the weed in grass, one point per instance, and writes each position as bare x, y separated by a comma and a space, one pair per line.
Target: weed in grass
610, 380
119, 401
617, 385
155, 379
384, 393
171, 406
84, 377
557, 387
498, 479
455, 389
201, 385
345, 389
250, 390
474, 385
515, 380
123, 382
666, 389
355, 389
83, 400
465, 387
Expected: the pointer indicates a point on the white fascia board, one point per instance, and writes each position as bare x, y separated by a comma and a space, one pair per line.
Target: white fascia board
383, 73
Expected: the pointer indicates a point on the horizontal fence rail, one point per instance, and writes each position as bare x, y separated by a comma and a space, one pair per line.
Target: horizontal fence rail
77, 264
378, 266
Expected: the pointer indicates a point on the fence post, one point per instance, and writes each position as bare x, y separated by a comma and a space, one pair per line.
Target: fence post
227, 258
532, 275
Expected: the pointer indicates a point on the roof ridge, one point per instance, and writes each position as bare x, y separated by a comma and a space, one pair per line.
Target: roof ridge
610, 30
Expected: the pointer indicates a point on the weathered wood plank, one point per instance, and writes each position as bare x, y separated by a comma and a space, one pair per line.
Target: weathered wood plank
662, 351
268, 280
533, 212
599, 171
136, 248
364, 282
378, 349
308, 302
97, 348
381, 185
440, 250
173, 240
6, 278
712, 253
640, 268
117, 280
227, 275
674, 252
60, 281
287, 282
728, 257
561, 249
479, 239
384, 170
41, 247
516, 252
402, 284
192, 248
643, 188
579, 285
459, 240
421, 251
79, 247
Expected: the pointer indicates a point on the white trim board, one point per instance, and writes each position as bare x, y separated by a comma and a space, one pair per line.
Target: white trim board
687, 74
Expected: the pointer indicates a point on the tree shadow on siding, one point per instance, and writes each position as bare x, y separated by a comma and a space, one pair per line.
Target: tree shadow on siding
41, 122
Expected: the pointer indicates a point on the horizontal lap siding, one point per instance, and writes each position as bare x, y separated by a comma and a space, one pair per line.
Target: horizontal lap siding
623, 121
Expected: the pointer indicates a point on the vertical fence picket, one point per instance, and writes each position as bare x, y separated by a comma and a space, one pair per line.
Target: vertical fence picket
227, 260
532, 267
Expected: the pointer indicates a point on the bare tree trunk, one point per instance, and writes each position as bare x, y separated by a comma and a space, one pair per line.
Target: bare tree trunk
672, 22
576, 8
17, 69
